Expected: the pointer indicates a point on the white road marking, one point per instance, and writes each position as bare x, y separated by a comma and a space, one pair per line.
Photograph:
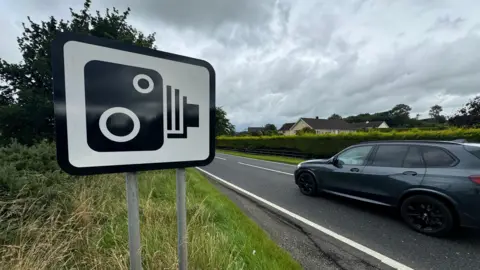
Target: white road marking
220, 158
384, 259
267, 169
256, 159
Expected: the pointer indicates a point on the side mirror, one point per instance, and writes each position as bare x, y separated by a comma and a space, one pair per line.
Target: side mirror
336, 162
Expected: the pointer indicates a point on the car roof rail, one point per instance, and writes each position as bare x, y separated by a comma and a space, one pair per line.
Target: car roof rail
417, 141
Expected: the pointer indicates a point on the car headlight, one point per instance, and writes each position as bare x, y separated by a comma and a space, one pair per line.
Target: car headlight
299, 165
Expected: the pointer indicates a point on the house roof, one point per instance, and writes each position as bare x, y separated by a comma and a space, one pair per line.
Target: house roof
255, 129
368, 124
286, 126
328, 124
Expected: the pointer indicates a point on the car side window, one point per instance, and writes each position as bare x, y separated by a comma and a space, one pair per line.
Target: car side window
436, 157
390, 155
413, 159
355, 156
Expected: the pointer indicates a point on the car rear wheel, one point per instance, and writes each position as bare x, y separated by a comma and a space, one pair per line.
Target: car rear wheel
307, 184
427, 215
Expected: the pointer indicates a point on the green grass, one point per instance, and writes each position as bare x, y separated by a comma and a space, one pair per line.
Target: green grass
289, 160
49, 220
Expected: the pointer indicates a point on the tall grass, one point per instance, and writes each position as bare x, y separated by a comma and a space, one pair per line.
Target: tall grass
50, 220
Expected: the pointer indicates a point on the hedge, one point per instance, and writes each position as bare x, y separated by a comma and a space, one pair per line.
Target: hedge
326, 145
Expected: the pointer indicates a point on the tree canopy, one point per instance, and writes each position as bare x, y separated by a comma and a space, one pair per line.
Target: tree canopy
468, 115
335, 117
435, 111
26, 106
223, 125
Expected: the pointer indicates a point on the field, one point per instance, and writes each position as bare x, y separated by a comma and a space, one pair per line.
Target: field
50, 220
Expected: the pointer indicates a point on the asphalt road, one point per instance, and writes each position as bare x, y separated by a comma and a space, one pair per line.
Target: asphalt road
376, 227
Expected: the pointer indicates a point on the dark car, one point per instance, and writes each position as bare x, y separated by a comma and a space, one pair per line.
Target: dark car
434, 184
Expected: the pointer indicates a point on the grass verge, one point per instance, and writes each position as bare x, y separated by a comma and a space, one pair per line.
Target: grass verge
289, 160
49, 220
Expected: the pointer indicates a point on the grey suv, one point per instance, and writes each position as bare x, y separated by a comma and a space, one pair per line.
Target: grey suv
434, 184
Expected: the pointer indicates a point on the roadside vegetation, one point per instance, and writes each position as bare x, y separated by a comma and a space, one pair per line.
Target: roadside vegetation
326, 145
50, 220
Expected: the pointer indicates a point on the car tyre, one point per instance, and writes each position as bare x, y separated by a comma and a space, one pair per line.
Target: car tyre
307, 184
428, 215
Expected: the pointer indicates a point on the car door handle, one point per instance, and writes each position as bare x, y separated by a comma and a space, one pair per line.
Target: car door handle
354, 170
410, 173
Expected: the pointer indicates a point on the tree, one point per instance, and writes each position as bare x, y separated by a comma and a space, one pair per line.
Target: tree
435, 111
364, 117
270, 129
26, 106
223, 125
334, 117
400, 110
306, 130
468, 115
399, 115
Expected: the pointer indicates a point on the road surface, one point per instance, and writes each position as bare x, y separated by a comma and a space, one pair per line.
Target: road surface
377, 228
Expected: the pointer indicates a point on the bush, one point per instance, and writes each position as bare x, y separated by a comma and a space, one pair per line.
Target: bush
326, 145
31, 183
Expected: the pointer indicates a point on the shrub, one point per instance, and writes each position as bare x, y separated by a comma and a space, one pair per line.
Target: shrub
31, 183
326, 145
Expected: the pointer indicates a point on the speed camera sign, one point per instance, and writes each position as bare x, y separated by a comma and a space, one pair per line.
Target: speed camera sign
121, 108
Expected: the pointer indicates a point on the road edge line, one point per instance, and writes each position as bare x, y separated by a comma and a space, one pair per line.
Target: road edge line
263, 168
384, 259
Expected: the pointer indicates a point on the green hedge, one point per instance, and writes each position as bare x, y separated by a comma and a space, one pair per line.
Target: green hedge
326, 145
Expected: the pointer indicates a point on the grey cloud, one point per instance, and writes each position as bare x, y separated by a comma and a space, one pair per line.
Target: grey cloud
445, 23
280, 60
411, 75
204, 15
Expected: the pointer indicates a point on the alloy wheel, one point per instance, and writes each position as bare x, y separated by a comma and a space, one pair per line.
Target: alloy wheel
426, 216
306, 183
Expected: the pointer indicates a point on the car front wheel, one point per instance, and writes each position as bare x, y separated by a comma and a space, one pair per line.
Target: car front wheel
307, 184
427, 215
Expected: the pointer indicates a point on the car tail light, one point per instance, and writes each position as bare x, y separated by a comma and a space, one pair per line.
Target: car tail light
475, 179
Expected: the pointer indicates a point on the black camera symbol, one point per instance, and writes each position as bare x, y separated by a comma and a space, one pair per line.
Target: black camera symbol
189, 115
125, 108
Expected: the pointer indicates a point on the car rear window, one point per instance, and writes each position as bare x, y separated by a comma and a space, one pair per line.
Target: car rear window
436, 157
473, 148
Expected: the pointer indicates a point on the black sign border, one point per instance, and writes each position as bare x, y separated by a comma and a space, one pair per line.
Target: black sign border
58, 73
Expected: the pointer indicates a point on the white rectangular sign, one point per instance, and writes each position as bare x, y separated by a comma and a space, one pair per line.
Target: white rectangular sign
120, 107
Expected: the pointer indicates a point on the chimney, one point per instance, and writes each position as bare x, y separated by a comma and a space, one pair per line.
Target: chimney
316, 117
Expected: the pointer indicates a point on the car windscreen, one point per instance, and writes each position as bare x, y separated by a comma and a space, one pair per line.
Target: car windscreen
473, 148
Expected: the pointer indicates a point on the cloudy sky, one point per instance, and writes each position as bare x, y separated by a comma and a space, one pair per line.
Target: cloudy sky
278, 60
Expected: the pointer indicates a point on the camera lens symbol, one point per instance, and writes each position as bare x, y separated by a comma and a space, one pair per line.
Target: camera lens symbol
140, 89
104, 129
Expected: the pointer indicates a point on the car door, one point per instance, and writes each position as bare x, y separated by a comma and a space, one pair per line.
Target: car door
392, 170
347, 169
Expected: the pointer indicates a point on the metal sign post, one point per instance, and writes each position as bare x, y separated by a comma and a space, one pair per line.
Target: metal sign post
133, 221
182, 220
